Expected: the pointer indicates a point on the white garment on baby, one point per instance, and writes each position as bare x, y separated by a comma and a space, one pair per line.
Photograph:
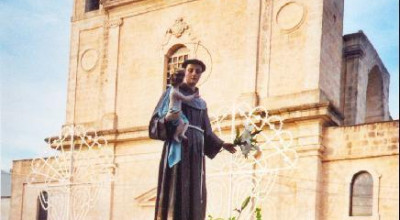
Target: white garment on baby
175, 104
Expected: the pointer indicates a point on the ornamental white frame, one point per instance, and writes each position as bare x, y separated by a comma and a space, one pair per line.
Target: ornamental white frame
237, 177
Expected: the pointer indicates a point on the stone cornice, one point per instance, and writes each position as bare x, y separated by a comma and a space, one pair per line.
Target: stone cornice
354, 51
360, 45
323, 111
309, 111
357, 35
326, 159
114, 23
107, 4
143, 6
113, 135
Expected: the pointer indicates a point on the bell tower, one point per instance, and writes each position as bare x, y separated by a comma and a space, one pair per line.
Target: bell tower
300, 53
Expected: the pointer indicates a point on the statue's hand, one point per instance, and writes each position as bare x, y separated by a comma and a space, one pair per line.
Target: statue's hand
229, 147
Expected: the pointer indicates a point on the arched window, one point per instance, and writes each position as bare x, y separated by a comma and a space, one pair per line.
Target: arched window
175, 60
42, 208
361, 194
374, 107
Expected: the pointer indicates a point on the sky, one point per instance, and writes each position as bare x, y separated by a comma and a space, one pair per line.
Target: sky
34, 56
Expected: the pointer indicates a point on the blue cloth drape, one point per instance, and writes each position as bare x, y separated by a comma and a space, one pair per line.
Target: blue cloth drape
175, 148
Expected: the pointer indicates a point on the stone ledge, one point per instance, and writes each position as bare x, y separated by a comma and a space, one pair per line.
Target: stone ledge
325, 160
107, 4
322, 111
110, 4
309, 111
353, 51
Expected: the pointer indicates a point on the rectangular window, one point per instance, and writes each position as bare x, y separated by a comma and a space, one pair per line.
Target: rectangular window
92, 5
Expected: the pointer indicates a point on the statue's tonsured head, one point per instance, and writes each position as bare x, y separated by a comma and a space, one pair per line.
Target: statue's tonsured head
193, 71
195, 62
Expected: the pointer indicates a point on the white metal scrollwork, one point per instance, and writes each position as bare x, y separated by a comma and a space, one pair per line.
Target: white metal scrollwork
231, 178
72, 177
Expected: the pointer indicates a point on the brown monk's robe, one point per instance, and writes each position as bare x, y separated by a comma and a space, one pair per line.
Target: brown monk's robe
181, 191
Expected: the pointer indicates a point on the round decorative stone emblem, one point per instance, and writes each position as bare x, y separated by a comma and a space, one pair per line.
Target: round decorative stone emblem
290, 16
89, 59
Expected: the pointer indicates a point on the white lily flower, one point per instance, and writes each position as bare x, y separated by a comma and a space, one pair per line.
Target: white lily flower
246, 135
244, 140
245, 149
248, 126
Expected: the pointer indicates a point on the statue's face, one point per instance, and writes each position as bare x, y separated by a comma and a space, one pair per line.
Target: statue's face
193, 74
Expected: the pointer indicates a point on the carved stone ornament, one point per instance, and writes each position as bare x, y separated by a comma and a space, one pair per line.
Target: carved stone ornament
353, 51
114, 23
178, 28
290, 16
89, 59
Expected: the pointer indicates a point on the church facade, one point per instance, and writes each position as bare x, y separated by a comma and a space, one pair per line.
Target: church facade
288, 56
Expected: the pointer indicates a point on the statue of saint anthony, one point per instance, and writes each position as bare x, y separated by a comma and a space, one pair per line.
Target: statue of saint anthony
181, 191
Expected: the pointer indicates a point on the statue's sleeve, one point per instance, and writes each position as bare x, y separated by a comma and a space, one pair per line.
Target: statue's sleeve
212, 143
157, 125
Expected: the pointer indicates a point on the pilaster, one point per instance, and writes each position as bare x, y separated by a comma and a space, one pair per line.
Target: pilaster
109, 118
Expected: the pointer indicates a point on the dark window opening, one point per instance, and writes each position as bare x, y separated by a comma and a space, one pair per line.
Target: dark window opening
361, 195
42, 205
176, 60
92, 5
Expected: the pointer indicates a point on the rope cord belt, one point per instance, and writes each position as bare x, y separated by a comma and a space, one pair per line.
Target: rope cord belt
196, 128
202, 165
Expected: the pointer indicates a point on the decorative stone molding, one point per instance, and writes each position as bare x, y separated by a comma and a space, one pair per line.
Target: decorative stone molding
89, 59
290, 16
114, 23
107, 4
109, 119
354, 51
147, 198
180, 34
178, 28
324, 111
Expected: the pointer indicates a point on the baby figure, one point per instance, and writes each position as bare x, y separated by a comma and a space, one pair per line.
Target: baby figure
175, 114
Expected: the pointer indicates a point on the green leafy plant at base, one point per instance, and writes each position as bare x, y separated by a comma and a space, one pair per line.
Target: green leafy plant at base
242, 207
258, 214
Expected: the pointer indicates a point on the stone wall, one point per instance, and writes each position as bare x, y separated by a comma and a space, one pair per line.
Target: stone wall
363, 72
294, 65
116, 63
348, 150
360, 141
5, 208
274, 54
20, 171
331, 52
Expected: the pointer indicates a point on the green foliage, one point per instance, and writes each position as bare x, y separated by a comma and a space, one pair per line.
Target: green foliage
245, 203
255, 132
237, 138
212, 218
258, 214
